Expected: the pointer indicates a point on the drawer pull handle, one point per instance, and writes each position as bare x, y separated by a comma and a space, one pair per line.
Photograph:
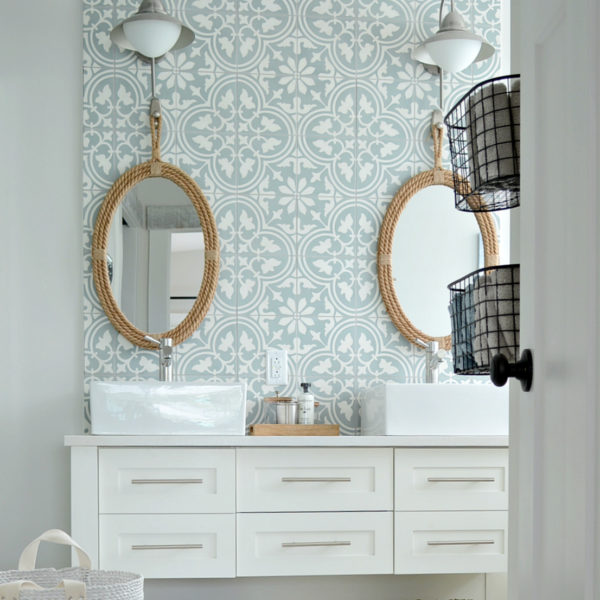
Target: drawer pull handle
160, 481
168, 547
460, 479
316, 544
316, 479
460, 543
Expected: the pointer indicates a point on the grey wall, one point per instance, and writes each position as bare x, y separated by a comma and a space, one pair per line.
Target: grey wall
365, 587
41, 331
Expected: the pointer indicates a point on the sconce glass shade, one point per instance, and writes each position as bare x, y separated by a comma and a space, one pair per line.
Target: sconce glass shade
151, 37
453, 54
453, 48
151, 31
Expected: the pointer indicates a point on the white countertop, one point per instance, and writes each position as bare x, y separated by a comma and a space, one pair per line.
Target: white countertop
385, 441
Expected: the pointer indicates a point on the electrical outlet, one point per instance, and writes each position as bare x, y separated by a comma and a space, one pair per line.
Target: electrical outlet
277, 372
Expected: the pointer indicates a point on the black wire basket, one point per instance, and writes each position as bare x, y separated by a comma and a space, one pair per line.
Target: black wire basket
484, 133
484, 312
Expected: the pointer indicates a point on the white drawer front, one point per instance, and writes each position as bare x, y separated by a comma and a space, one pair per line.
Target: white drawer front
159, 546
305, 479
314, 544
450, 542
451, 479
167, 480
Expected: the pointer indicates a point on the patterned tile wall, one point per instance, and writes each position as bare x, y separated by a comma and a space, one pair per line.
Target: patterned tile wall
299, 119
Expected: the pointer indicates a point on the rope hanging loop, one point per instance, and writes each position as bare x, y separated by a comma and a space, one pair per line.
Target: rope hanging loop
155, 129
437, 133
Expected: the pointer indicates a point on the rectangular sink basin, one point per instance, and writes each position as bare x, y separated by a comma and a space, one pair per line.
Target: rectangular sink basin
434, 409
167, 408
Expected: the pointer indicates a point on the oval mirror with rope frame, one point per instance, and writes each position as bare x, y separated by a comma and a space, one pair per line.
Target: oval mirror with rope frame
436, 176
155, 167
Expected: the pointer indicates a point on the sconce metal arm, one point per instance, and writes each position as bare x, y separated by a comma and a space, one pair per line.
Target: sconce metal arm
154, 101
442, 7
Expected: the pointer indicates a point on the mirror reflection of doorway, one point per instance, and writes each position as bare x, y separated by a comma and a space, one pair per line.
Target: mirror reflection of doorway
187, 270
157, 246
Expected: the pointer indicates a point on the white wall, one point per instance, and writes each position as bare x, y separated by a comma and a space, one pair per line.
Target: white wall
41, 329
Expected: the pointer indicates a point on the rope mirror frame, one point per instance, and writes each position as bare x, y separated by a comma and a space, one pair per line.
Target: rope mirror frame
155, 168
436, 176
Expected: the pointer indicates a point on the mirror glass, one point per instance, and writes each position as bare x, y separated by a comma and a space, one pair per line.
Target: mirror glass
433, 245
157, 251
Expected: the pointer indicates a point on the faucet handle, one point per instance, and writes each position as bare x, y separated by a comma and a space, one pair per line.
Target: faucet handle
441, 353
162, 343
433, 346
165, 356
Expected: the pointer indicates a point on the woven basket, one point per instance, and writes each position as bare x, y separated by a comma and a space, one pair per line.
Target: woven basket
77, 583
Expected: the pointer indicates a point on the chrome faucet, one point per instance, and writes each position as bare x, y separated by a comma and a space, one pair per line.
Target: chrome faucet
165, 357
434, 356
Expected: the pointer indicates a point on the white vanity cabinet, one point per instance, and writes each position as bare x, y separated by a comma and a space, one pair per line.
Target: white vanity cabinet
314, 479
186, 506
314, 511
167, 512
450, 510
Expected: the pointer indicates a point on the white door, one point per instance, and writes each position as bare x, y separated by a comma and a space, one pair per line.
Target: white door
555, 462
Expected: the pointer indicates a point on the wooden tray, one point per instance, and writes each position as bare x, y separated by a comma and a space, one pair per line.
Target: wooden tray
273, 429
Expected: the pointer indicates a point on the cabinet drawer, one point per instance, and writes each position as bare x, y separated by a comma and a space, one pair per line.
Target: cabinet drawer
450, 542
319, 479
167, 480
451, 479
314, 544
159, 546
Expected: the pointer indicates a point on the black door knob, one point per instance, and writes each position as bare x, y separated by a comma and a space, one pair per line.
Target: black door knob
501, 370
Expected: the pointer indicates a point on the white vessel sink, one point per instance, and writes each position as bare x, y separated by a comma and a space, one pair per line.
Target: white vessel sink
435, 409
167, 408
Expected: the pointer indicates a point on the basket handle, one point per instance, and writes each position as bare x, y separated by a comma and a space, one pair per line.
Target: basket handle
74, 590
56, 536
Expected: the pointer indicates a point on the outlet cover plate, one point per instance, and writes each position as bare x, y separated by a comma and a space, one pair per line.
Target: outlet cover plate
277, 371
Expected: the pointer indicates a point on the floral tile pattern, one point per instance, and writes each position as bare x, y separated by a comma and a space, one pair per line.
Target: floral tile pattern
299, 120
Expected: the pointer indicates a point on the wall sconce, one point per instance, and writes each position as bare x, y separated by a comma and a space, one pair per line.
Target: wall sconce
151, 33
453, 48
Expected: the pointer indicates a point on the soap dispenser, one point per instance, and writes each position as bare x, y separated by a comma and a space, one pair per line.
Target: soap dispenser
306, 406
